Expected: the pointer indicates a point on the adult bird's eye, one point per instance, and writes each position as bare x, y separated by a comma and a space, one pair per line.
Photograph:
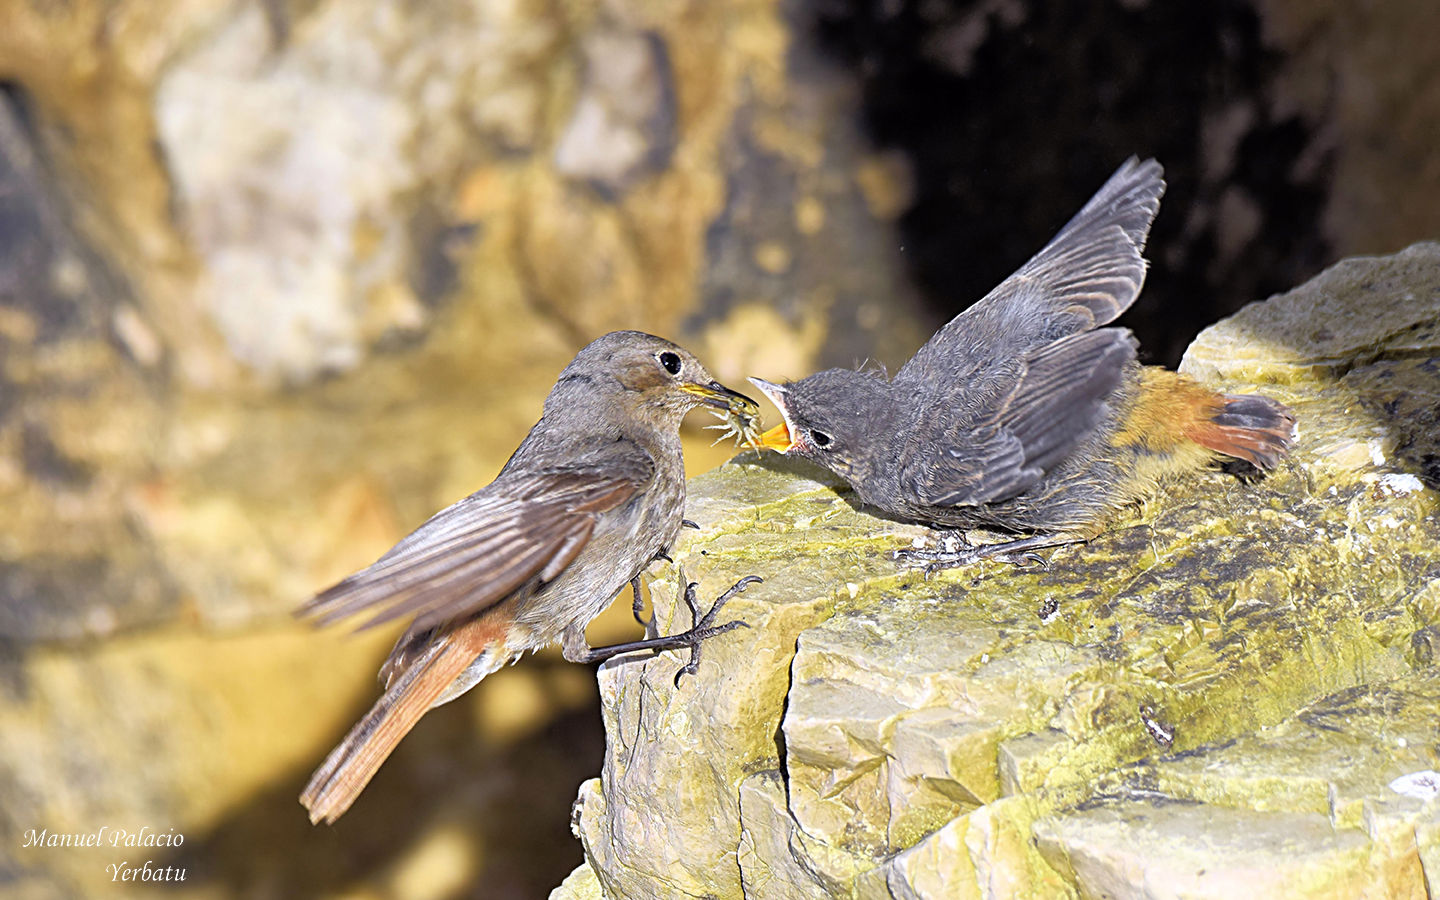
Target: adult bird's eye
671, 362
821, 439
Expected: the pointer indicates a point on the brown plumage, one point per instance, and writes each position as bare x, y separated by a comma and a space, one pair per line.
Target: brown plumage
1023, 414
592, 496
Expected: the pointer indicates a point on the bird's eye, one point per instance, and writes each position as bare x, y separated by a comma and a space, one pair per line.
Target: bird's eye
821, 439
670, 361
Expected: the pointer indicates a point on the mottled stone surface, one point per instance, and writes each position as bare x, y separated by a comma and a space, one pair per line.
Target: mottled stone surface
1357, 312
1345, 785
77, 415
1230, 693
623, 126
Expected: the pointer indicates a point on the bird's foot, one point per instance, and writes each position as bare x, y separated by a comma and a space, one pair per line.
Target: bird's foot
956, 551
703, 628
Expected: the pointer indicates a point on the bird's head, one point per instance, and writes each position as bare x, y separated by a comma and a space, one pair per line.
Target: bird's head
651, 377
832, 418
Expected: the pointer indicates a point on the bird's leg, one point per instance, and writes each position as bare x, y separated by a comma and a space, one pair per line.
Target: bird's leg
703, 628
1019, 552
637, 606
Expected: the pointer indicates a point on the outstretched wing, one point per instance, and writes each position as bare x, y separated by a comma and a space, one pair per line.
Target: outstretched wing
1026, 417
1087, 276
1017, 381
522, 527
1093, 270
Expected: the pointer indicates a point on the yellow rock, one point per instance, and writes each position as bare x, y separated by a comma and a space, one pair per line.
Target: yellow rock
170, 730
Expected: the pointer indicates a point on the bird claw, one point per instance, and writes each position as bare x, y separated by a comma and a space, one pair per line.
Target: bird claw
933, 561
703, 627
1024, 560
646, 622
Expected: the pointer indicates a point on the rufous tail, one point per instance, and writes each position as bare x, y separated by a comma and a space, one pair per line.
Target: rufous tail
352, 764
1249, 427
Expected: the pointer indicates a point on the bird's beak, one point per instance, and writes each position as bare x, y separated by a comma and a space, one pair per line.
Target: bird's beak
777, 438
721, 397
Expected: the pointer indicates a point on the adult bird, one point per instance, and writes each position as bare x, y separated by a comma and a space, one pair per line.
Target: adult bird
593, 495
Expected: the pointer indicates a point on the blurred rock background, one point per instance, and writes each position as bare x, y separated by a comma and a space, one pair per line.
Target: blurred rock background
279, 278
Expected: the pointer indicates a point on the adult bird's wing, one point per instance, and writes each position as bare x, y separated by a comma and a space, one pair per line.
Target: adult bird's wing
523, 527
1087, 276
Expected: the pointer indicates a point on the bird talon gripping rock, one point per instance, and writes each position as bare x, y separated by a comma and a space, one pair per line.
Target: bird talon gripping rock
697, 637
703, 627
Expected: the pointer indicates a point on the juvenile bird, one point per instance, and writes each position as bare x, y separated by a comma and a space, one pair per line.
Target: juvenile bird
593, 495
1021, 414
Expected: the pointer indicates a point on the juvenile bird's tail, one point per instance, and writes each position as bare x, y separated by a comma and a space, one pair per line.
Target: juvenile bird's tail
1249, 427
415, 688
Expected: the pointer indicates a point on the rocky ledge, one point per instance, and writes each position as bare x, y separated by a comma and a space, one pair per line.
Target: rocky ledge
1232, 693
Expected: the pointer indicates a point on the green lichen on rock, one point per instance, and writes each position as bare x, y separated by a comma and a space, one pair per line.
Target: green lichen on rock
1238, 677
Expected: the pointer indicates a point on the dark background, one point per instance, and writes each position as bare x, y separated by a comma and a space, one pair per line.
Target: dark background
1012, 114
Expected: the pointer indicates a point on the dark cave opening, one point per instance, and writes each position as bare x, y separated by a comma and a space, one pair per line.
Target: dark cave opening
1012, 112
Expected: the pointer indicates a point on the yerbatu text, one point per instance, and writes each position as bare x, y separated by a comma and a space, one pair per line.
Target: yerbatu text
148, 872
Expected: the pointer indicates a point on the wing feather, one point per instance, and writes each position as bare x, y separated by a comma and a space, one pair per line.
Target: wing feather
1089, 274
1019, 380
523, 527
1053, 406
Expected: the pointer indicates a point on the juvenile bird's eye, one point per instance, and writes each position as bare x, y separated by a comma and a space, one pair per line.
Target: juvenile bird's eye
670, 361
821, 439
